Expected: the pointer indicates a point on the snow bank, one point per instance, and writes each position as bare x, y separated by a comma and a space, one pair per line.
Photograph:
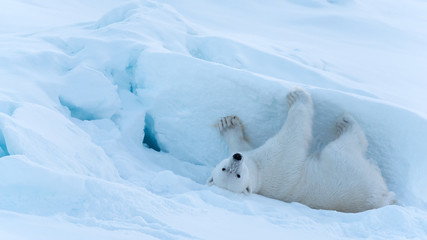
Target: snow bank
107, 117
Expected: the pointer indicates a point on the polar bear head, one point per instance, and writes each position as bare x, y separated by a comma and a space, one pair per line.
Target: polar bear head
232, 174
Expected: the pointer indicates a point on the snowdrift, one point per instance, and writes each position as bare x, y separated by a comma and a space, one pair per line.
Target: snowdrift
107, 120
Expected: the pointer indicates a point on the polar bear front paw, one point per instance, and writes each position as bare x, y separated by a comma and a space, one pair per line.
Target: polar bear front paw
232, 131
298, 95
230, 123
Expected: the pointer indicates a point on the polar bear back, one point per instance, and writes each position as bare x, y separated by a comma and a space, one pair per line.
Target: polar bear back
354, 185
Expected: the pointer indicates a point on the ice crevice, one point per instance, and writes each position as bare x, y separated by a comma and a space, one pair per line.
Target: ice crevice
150, 139
3, 147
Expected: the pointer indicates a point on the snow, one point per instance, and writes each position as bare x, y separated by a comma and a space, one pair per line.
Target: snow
108, 111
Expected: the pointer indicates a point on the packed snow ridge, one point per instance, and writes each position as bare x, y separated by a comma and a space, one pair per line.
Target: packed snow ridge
108, 113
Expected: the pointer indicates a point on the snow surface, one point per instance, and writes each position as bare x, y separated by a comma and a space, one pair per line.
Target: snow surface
107, 113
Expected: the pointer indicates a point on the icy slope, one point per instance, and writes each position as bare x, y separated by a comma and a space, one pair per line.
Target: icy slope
107, 113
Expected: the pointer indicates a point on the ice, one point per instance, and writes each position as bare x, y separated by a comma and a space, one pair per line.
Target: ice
51, 140
108, 112
89, 104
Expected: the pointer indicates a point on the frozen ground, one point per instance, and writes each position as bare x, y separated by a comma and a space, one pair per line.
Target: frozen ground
107, 113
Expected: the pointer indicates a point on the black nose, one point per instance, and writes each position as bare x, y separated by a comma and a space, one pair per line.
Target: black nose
237, 156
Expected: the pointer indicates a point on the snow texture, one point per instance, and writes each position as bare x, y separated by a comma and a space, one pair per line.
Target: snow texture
107, 113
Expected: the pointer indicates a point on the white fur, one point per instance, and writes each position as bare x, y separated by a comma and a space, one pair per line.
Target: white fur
340, 178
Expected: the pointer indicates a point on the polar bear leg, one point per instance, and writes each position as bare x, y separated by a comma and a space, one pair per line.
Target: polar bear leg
350, 133
297, 130
350, 142
293, 140
232, 130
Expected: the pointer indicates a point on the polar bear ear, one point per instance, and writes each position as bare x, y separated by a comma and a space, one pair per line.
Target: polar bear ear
248, 190
210, 181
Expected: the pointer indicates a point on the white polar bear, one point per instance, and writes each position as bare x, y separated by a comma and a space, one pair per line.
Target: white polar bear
340, 178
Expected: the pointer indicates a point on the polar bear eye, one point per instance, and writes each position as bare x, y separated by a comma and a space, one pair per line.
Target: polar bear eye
238, 175
223, 169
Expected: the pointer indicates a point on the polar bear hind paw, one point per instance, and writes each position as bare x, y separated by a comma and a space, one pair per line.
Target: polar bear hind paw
228, 123
298, 94
344, 123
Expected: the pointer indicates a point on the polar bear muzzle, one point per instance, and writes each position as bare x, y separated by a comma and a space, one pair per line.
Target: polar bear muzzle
236, 163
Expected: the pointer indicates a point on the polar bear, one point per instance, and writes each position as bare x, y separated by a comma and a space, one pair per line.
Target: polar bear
339, 178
